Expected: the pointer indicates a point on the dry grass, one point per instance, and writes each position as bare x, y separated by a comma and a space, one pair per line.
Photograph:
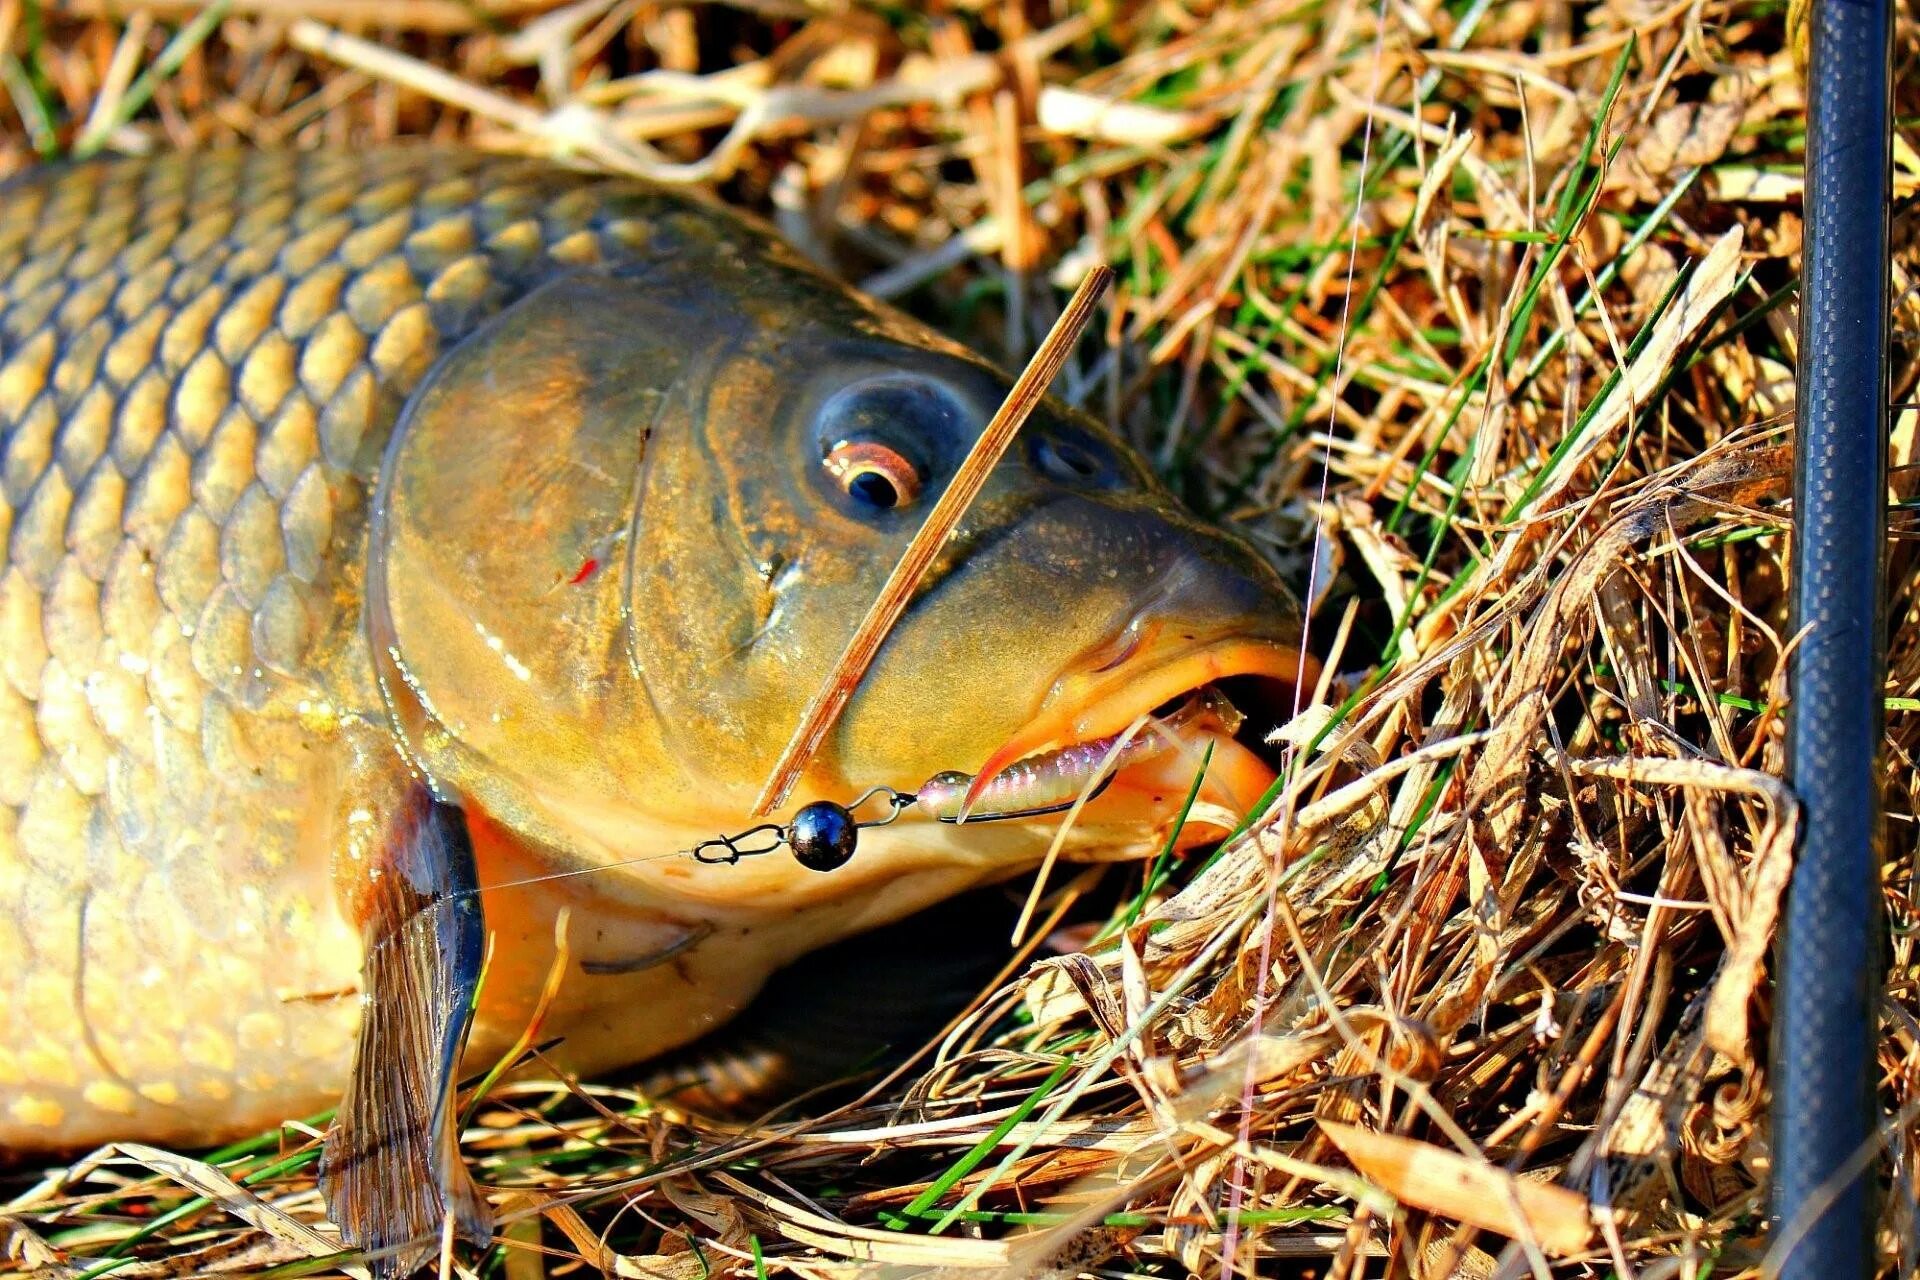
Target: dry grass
1497, 298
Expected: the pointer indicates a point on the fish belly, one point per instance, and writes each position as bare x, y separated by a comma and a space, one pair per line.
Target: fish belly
200, 361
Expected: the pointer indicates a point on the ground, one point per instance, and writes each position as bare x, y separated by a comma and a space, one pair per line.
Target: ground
1479, 317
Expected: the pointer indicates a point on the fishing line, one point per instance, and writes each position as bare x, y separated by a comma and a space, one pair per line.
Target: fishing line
822, 836
755, 841
1236, 1194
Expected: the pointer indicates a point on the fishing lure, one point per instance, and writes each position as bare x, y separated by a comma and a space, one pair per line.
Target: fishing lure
824, 835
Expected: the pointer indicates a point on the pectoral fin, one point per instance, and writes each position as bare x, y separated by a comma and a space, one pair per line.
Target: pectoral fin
391, 1171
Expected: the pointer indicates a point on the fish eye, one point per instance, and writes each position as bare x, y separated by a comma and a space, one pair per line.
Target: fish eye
873, 474
883, 438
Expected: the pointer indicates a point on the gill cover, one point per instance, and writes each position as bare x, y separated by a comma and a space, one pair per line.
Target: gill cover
501, 537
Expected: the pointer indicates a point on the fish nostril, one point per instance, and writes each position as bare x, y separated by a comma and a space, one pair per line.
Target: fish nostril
1067, 462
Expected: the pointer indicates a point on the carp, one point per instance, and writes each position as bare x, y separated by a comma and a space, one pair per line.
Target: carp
393, 539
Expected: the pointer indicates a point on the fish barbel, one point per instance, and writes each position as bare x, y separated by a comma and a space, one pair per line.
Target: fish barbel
321, 475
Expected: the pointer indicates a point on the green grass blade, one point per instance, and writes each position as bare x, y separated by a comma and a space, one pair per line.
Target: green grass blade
140, 92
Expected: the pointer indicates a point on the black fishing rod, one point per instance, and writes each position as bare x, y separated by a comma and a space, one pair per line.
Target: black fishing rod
1826, 1007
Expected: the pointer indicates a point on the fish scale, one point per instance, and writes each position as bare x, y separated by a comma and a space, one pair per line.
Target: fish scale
201, 358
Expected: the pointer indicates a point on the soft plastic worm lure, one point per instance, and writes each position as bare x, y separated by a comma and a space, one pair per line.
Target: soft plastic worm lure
824, 835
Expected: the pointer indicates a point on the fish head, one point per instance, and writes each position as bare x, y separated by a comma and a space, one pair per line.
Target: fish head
625, 531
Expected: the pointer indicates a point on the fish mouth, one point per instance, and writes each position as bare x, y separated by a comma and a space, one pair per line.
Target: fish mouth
1137, 720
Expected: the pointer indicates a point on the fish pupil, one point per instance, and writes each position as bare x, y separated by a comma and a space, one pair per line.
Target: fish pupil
874, 489
875, 475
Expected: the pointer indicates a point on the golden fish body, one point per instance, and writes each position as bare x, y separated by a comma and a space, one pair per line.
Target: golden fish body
586, 584
201, 360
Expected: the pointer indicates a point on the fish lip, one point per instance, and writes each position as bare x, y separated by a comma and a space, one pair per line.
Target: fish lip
1101, 697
